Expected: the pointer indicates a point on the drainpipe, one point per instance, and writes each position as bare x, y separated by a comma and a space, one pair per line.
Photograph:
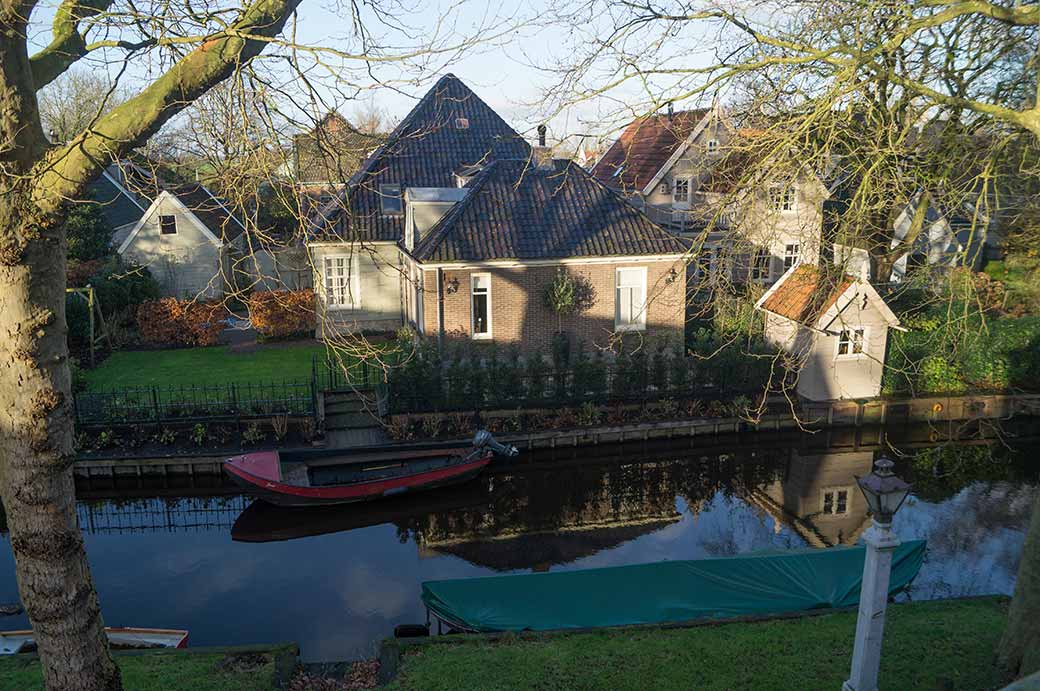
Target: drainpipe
440, 309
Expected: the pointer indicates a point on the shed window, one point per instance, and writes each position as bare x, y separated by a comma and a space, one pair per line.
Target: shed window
342, 282
390, 199
850, 342
167, 225
480, 295
682, 190
835, 502
713, 146
630, 307
792, 255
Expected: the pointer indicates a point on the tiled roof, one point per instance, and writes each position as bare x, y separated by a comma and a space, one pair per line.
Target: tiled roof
515, 210
643, 148
448, 129
805, 294
331, 151
117, 208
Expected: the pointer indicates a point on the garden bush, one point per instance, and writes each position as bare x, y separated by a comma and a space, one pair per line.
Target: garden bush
180, 322
282, 313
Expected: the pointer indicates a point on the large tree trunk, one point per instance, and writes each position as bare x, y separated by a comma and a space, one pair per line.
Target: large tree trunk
1020, 648
36, 433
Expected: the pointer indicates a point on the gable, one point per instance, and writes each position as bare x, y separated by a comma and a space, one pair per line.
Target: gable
449, 129
643, 149
191, 231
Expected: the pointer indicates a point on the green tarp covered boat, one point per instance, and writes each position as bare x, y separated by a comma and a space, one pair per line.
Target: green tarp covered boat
668, 591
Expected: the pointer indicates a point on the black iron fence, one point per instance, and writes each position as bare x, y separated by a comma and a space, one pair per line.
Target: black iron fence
500, 386
193, 403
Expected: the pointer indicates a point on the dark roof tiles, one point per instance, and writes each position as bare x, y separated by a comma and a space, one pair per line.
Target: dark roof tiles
515, 210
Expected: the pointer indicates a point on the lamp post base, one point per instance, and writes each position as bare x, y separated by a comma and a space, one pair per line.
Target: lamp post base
873, 599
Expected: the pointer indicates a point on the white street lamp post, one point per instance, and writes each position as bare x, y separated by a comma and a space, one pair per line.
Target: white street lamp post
884, 493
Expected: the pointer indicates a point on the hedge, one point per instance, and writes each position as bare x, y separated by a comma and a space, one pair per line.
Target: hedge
282, 313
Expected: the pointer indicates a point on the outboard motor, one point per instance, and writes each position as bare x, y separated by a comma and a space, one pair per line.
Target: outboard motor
484, 438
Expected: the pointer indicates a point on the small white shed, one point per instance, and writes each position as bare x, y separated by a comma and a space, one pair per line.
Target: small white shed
836, 325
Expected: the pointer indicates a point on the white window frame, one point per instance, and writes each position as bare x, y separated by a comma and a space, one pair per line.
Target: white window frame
352, 283
761, 261
675, 190
792, 258
864, 341
712, 146
639, 324
172, 216
472, 312
783, 198
833, 491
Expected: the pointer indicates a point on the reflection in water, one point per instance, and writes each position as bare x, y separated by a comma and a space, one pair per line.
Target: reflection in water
337, 579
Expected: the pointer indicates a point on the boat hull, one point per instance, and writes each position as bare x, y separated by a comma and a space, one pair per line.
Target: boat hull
285, 494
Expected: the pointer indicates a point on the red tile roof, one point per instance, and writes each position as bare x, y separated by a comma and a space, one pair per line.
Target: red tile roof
643, 148
805, 294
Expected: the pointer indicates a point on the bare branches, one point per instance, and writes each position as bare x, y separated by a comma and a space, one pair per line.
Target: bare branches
67, 45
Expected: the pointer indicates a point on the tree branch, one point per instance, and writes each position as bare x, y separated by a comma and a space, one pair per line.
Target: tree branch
68, 168
67, 45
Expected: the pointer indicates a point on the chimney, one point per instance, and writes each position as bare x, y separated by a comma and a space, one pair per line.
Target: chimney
671, 110
543, 155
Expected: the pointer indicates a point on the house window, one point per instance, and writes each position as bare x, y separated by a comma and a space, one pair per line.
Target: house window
390, 199
682, 190
781, 197
792, 255
462, 123
663, 188
835, 502
630, 307
713, 146
342, 282
167, 225
760, 265
850, 342
480, 297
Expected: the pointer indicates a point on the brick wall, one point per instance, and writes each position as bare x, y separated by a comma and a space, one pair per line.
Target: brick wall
519, 314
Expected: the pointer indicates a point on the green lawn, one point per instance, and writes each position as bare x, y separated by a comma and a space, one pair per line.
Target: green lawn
928, 645
160, 671
215, 365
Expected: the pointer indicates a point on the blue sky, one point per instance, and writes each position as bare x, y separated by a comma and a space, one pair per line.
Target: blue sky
501, 72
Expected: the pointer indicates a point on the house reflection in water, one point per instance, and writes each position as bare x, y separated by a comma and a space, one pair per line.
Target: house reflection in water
554, 515
818, 497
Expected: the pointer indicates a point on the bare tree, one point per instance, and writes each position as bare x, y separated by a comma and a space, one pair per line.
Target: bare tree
173, 55
906, 105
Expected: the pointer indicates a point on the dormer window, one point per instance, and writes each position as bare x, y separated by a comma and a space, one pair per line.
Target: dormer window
462, 123
390, 200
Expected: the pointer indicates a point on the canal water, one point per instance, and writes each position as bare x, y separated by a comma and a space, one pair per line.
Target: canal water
337, 579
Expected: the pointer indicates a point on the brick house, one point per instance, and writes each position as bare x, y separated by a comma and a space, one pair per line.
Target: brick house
457, 226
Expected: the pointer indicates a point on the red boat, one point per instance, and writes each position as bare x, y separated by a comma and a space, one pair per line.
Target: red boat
341, 476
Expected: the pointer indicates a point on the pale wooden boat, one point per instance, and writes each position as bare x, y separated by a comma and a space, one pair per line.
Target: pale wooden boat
119, 637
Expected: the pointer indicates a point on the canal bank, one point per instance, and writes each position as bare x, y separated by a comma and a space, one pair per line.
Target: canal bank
947, 416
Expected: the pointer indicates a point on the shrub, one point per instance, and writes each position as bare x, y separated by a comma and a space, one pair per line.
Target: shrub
88, 233
120, 285
78, 273
282, 313
175, 322
939, 375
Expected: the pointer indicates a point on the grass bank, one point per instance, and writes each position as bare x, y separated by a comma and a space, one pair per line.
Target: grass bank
928, 645
174, 670
200, 366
